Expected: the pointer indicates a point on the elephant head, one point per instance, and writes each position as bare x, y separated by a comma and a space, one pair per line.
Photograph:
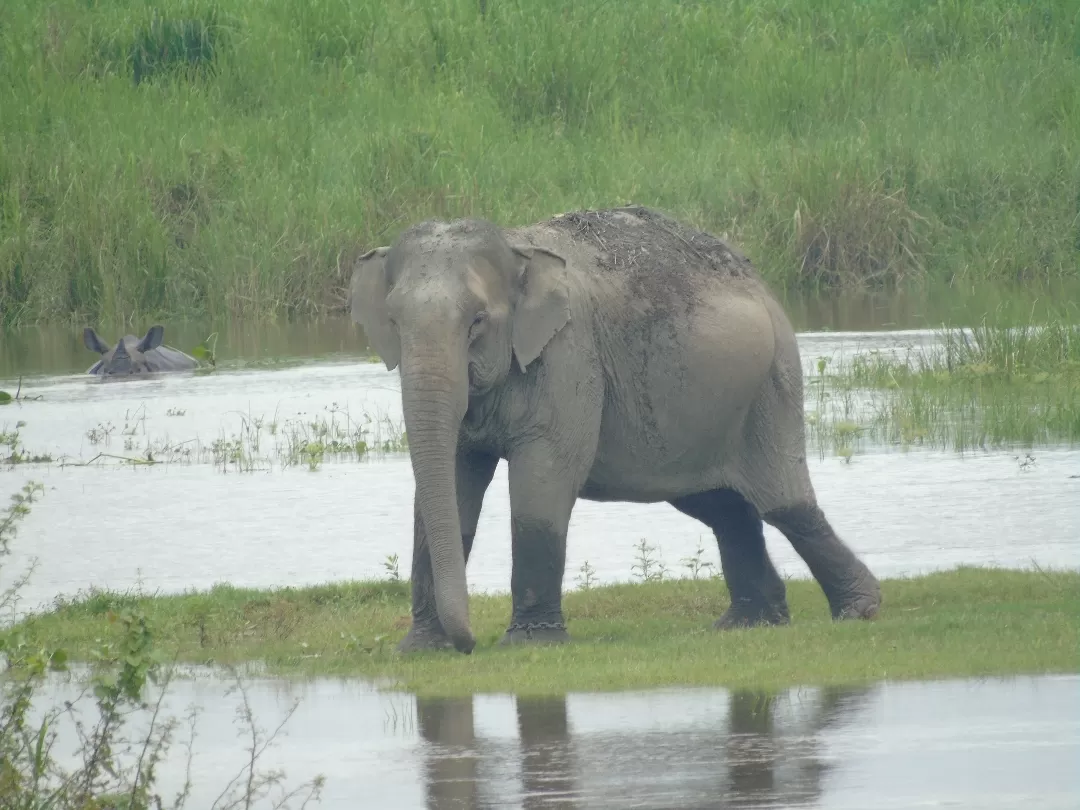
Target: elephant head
128, 356
459, 309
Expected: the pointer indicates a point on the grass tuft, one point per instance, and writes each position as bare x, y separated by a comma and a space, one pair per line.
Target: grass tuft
180, 46
859, 236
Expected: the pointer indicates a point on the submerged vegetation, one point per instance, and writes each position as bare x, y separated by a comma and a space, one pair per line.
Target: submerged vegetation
223, 158
259, 444
994, 385
13, 452
965, 622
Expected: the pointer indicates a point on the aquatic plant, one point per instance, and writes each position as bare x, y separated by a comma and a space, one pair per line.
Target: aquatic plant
998, 384
259, 443
11, 438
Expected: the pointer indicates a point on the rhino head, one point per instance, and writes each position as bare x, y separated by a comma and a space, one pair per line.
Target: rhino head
128, 356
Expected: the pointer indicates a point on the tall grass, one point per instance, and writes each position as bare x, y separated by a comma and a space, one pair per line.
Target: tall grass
189, 157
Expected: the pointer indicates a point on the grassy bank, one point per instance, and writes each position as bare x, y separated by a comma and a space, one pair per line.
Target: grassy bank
998, 384
192, 158
962, 622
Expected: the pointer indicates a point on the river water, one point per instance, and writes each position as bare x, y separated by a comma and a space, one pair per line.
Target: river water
198, 518
992, 743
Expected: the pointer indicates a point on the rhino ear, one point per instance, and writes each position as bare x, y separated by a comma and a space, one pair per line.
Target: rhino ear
152, 339
367, 305
543, 307
93, 342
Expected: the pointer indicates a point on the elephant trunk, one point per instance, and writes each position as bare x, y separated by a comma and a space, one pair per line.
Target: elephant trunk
434, 397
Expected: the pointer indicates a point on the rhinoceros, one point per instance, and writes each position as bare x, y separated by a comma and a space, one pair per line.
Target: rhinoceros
132, 355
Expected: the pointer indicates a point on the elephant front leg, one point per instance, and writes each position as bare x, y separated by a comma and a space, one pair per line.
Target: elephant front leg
539, 549
542, 495
474, 474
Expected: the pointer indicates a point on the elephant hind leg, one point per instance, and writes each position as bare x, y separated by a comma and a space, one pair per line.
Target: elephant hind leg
852, 590
758, 595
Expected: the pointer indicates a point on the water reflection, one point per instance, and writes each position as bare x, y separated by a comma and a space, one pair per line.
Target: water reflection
986, 743
547, 778
760, 757
450, 772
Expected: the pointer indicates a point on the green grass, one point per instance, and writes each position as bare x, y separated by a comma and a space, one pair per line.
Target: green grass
197, 158
965, 622
998, 384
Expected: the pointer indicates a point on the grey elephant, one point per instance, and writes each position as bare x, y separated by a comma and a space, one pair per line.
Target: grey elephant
132, 355
611, 355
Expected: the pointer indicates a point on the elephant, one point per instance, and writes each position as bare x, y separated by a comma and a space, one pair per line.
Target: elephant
610, 355
132, 355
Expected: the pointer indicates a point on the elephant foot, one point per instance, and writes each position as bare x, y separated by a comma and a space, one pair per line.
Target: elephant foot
747, 612
860, 602
535, 633
425, 637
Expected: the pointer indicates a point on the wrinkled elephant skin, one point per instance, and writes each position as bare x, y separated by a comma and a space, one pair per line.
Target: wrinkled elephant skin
136, 356
609, 355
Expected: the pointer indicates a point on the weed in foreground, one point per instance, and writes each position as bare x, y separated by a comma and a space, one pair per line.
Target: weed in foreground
113, 770
586, 577
696, 563
649, 567
390, 564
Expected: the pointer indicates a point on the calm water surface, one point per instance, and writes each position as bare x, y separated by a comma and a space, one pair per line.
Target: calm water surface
998, 743
191, 522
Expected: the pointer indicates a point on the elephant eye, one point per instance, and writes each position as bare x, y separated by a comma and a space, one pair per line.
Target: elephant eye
478, 321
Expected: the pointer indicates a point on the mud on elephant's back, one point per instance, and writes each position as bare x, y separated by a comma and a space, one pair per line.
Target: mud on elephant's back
674, 250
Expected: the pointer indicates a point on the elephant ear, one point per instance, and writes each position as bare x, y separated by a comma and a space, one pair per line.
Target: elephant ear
367, 304
543, 307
